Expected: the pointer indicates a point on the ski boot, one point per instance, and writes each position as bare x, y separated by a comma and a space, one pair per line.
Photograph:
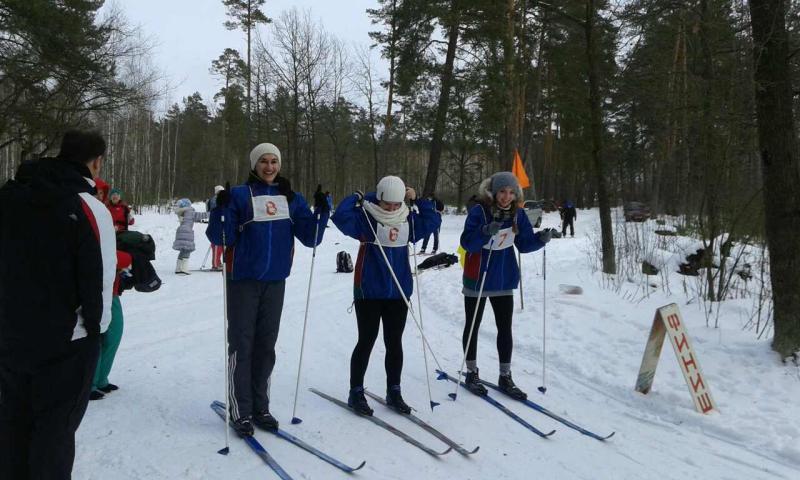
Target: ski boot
243, 426
507, 386
474, 385
358, 402
395, 401
265, 421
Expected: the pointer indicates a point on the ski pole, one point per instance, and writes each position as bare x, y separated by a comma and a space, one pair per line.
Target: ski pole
454, 395
225, 450
543, 388
521, 295
419, 306
400, 289
203, 266
295, 419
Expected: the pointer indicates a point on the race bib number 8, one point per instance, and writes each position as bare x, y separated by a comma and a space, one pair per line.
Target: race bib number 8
393, 236
267, 208
502, 240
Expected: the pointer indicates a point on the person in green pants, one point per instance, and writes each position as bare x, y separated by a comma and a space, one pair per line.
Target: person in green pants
109, 341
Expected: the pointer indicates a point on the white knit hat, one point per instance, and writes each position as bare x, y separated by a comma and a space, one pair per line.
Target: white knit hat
218, 188
391, 189
262, 149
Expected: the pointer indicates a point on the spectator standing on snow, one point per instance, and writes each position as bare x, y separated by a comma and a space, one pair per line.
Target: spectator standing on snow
260, 220
495, 226
377, 298
110, 340
439, 205
216, 250
57, 262
120, 211
568, 217
184, 235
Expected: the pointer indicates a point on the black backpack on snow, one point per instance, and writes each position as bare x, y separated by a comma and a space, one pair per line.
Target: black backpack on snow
440, 260
142, 248
344, 264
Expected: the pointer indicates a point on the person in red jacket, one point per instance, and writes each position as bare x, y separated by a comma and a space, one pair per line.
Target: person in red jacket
110, 340
120, 211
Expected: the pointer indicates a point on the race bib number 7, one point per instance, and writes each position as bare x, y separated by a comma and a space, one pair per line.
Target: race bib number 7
268, 208
502, 240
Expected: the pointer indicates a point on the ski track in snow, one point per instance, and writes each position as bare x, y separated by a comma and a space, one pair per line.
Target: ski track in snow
170, 367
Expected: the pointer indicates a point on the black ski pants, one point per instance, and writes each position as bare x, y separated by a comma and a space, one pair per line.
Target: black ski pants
254, 317
40, 410
568, 222
503, 308
369, 314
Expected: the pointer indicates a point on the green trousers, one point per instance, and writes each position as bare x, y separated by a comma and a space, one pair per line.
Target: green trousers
109, 342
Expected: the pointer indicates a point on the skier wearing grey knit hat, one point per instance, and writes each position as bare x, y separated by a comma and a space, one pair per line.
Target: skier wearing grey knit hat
257, 224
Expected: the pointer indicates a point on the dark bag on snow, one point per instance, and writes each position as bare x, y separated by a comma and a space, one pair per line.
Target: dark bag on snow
440, 260
344, 264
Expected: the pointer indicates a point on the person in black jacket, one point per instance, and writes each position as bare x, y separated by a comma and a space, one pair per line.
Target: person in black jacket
568, 217
57, 262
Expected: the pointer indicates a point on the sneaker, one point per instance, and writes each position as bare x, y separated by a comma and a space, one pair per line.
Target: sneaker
433, 252
358, 402
96, 395
395, 401
265, 421
507, 386
108, 388
243, 426
422, 252
474, 385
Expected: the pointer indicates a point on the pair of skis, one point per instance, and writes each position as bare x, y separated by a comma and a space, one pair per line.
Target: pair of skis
259, 449
452, 445
531, 404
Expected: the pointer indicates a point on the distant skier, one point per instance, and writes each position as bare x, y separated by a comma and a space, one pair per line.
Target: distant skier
568, 217
495, 226
216, 250
260, 220
376, 295
120, 211
439, 205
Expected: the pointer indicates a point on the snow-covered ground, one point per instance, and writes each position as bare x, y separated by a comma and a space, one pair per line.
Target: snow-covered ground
170, 367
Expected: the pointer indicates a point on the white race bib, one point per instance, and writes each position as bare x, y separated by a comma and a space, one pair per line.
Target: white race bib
395, 236
502, 239
267, 208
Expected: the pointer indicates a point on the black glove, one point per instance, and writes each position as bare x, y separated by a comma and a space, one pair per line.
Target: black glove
224, 196
491, 228
359, 198
545, 235
284, 187
320, 201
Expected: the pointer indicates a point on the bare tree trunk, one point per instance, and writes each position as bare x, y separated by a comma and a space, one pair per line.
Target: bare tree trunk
606, 229
779, 158
443, 106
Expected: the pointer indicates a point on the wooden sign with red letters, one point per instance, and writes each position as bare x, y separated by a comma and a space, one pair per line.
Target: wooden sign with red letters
668, 322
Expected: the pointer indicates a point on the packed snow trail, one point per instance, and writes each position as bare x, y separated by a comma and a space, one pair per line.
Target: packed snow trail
158, 425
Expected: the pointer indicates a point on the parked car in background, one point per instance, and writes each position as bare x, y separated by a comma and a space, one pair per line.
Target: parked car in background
533, 208
635, 211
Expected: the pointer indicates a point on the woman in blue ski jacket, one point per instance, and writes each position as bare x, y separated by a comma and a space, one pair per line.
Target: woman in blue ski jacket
382, 221
494, 226
257, 223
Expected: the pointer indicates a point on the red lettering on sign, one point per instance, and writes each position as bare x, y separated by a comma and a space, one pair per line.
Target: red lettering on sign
705, 403
503, 237
674, 321
393, 234
272, 209
682, 342
688, 361
699, 383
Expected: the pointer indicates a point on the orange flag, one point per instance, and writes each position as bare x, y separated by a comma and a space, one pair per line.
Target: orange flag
519, 171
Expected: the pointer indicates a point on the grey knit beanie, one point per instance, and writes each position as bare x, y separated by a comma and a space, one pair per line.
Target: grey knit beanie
262, 149
504, 179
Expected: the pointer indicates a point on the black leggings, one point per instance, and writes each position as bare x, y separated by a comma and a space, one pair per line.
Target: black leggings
368, 315
503, 308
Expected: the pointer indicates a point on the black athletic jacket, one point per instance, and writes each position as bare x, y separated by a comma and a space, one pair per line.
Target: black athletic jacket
51, 265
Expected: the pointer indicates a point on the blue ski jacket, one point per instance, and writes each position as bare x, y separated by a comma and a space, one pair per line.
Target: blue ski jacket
372, 279
260, 225
503, 273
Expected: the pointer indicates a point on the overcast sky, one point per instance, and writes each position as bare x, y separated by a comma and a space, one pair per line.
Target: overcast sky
189, 34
